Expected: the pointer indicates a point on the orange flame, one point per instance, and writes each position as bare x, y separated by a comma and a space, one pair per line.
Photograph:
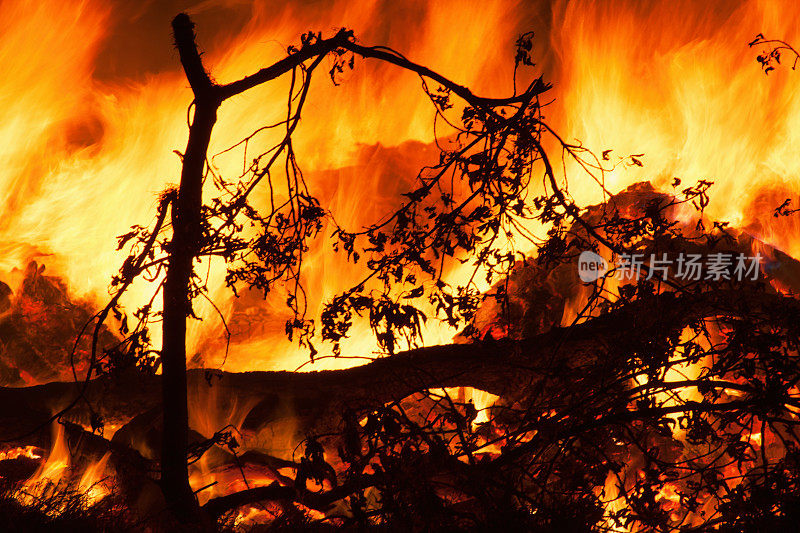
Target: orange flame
85, 155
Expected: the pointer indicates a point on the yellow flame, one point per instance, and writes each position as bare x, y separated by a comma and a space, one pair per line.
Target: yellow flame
91, 482
676, 81
54, 475
84, 157
50, 473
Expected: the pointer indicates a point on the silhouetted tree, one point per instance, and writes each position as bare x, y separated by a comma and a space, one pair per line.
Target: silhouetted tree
496, 148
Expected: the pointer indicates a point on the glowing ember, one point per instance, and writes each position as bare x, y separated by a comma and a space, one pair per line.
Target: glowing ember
30, 452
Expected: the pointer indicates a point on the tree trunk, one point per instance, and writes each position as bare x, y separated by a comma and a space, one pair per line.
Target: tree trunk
185, 244
177, 307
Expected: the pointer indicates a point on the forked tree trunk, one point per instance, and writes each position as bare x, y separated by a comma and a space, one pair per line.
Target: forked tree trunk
186, 221
185, 244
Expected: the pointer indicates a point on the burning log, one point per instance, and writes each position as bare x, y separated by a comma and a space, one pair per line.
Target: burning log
38, 328
539, 293
317, 400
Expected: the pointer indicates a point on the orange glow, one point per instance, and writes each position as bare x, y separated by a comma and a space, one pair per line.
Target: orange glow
675, 81
56, 466
31, 452
85, 155
54, 475
97, 152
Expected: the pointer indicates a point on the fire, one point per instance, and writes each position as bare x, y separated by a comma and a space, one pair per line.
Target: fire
92, 481
677, 83
86, 155
55, 467
51, 64
481, 400
107, 143
31, 452
99, 144
54, 477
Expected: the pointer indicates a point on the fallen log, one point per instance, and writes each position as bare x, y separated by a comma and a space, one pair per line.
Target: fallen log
315, 401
